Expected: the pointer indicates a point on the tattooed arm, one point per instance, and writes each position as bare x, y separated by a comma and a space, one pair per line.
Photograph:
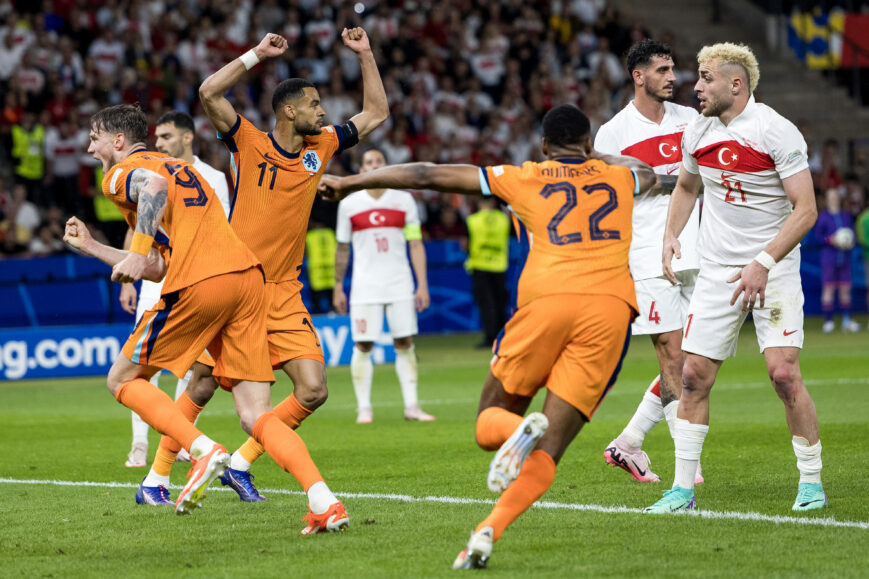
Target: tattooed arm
342, 257
150, 191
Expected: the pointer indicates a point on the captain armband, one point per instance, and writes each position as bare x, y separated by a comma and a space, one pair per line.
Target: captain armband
141, 244
412, 231
350, 135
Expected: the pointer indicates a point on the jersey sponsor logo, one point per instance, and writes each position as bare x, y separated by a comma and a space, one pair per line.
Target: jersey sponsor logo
311, 161
659, 150
377, 218
733, 156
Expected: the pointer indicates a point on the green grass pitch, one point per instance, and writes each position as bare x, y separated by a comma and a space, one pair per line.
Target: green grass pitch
414, 491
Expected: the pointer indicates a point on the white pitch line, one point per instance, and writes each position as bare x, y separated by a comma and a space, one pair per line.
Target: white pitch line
775, 519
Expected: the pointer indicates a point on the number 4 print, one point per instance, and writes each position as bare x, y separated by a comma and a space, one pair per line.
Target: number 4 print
653, 315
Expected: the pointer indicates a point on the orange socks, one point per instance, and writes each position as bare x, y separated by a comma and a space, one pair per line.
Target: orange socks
290, 413
535, 479
157, 409
286, 448
164, 458
494, 427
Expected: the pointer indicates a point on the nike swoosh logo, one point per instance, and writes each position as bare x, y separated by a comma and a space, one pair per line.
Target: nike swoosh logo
786, 333
639, 470
671, 171
270, 158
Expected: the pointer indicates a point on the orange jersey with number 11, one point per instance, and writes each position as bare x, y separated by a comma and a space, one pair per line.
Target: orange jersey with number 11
274, 193
579, 212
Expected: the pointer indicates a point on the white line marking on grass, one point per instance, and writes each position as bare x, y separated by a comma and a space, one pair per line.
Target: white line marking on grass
776, 519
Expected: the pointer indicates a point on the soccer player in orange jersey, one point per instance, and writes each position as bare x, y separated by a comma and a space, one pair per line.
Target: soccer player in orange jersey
575, 304
275, 176
212, 296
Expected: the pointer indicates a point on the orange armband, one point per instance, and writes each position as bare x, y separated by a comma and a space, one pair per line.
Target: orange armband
141, 243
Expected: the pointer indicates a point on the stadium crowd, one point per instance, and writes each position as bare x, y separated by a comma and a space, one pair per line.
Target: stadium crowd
467, 81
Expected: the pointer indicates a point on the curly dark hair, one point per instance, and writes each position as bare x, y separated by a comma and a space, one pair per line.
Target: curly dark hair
641, 53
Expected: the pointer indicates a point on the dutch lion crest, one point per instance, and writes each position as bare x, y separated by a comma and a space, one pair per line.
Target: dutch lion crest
311, 161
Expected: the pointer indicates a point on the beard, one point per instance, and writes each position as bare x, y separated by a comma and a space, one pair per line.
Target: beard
714, 108
309, 129
661, 95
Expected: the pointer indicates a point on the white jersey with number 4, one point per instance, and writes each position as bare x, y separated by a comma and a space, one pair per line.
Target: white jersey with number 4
381, 272
660, 146
742, 166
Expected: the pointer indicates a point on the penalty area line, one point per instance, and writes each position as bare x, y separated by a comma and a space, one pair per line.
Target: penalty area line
447, 500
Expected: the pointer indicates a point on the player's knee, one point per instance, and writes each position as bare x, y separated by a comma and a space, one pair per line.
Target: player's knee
403, 343
248, 418
312, 393
786, 381
364, 347
694, 382
202, 390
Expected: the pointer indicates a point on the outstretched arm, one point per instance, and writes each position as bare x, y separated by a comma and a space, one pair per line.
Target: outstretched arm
463, 179
375, 109
219, 110
645, 174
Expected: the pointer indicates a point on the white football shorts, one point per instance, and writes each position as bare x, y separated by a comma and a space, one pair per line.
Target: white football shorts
712, 326
366, 320
663, 306
149, 295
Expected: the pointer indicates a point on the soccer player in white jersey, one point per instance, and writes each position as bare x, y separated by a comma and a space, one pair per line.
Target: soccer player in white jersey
650, 129
175, 132
381, 223
758, 204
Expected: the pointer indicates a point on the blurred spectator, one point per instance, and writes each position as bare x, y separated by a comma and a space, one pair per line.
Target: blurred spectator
825, 166
488, 250
45, 242
28, 138
835, 231
449, 226
20, 219
62, 149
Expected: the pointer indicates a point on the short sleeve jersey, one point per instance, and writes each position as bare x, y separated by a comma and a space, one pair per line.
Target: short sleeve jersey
579, 212
742, 166
659, 146
381, 273
274, 193
194, 235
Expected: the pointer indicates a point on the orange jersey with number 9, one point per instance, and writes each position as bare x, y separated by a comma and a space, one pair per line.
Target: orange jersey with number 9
193, 236
274, 193
579, 213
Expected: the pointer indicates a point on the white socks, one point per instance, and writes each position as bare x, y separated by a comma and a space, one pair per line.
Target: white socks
201, 446
405, 368
689, 445
181, 386
320, 498
670, 413
808, 460
237, 462
155, 480
361, 371
648, 414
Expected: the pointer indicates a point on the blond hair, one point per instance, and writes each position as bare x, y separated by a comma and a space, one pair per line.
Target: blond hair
735, 54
